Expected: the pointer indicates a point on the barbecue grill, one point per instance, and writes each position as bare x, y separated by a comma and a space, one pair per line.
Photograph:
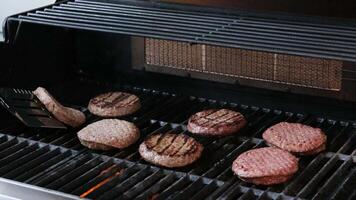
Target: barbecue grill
180, 58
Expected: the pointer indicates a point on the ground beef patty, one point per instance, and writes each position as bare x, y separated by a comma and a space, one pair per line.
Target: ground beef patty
296, 138
69, 116
216, 122
170, 150
108, 134
265, 166
114, 104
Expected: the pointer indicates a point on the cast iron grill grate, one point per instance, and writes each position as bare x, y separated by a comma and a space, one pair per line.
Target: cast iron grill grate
239, 30
89, 175
83, 172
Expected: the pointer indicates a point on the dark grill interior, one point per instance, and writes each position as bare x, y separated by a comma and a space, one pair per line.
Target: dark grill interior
56, 160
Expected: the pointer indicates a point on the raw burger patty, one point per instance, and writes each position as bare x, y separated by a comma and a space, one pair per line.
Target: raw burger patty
109, 133
265, 166
114, 104
68, 116
296, 138
170, 150
216, 122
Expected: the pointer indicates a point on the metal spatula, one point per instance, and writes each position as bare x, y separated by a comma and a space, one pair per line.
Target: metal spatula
27, 108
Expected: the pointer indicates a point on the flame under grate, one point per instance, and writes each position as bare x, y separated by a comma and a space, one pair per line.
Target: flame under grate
278, 68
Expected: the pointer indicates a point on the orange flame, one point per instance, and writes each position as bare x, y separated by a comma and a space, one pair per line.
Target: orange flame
103, 182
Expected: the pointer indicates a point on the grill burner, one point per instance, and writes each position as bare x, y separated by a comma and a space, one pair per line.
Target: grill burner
233, 62
56, 160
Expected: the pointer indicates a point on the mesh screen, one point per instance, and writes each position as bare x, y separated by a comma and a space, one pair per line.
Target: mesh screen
233, 62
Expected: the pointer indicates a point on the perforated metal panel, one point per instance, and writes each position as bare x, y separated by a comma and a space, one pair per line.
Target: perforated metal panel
232, 62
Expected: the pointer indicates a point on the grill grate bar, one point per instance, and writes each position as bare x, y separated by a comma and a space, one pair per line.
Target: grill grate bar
178, 185
155, 189
123, 184
23, 157
74, 173
248, 195
239, 29
349, 147
328, 188
250, 19
205, 191
50, 164
120, 23
54, 175
60, 11
8, 144
142, 185
145, 12
302, 178
246, 32
190, 190
81, 180
18, 153
347, 187
108, 29
232, 193
337, 137
15, 172
98, 179
306, 192
215, 18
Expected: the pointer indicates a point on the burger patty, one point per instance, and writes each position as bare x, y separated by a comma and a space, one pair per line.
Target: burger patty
216, 122
68, 116
265, 166
114, 104
170, 150
108, 134
296, 138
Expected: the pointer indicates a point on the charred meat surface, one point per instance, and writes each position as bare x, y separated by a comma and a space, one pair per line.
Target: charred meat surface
114, 104
171, 150
216, 122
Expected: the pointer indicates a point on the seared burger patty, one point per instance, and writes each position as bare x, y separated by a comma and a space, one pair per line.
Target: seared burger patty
296, 138
170, 150
265, 166
114, 104
216, 122
108, 134
68, 116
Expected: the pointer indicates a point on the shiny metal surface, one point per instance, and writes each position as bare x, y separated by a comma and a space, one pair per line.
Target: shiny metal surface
13, 190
